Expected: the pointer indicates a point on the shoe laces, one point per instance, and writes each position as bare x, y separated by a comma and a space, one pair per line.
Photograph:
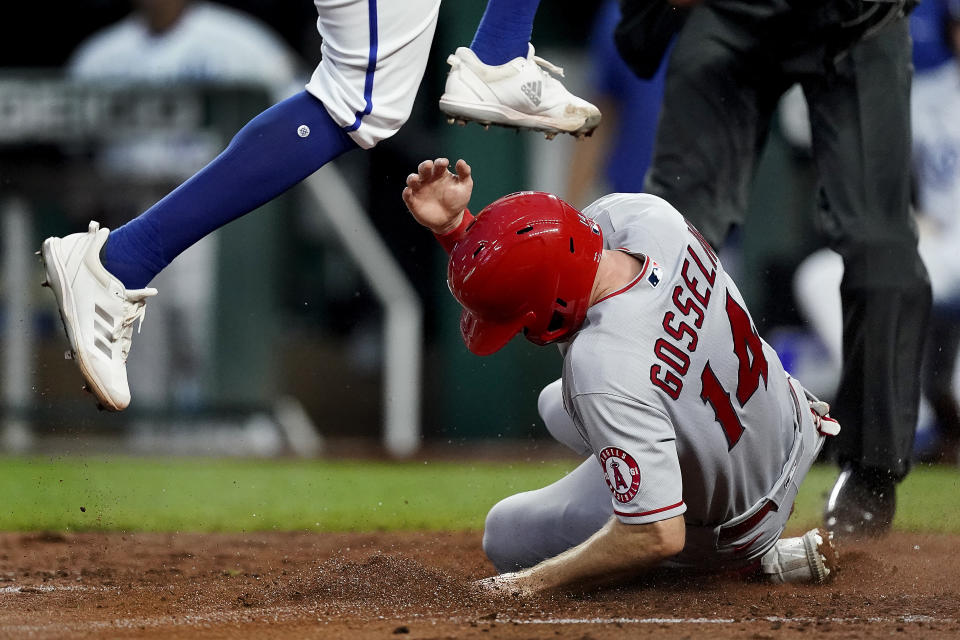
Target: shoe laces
548, 66
544, 65
134, 308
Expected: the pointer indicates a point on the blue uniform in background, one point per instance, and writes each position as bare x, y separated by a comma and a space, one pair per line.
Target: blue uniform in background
931, 47
638, 102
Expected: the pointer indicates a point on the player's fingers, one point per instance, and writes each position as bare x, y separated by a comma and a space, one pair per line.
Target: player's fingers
440, 167
409, 196
463, 169
413, 180
425, 169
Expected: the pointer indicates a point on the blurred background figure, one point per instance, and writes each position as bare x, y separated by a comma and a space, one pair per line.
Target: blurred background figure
930, 32
936, 164
616, 158
168, 42
935, 116
187, 40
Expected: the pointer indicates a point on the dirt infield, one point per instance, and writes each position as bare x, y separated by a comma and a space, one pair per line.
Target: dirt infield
416, 585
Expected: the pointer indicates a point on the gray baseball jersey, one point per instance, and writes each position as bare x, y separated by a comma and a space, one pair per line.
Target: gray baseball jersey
685, 407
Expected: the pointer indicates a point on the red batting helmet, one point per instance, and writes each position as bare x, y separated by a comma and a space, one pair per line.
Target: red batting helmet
527, 263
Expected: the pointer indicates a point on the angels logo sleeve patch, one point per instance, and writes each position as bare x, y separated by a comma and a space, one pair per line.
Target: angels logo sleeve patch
625, 481
622, 473
635, 446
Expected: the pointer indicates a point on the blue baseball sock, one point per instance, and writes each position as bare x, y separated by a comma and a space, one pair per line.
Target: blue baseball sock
266, 157
504, 31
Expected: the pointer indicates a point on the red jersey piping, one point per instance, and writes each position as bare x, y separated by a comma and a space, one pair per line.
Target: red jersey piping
648, 513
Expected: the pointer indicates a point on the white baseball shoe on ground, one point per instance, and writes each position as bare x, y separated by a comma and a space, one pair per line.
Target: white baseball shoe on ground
809, 558
98, 313
521, 93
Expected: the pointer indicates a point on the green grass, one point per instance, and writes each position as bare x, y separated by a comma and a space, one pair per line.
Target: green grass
246, 495
927, 501
134, 494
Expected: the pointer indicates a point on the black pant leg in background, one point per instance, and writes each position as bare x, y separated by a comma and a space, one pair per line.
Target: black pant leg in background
861, 141
719, 97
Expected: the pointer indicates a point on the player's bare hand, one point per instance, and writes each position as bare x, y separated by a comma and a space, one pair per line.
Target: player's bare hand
505, 584
436, 197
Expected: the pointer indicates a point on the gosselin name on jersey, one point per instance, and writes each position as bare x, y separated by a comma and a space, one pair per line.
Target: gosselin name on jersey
697, 298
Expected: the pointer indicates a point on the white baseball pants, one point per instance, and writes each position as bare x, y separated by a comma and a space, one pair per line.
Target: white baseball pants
374, 56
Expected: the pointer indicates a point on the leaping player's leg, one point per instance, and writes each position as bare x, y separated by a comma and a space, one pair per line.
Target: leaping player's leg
498, 80
504, 31
274, 151
374, 55
101, 289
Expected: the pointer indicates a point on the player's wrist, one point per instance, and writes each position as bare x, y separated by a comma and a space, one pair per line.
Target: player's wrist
455, 230
450, 225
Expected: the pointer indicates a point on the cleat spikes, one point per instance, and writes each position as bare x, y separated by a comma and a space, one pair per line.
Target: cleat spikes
68, 355
548, 133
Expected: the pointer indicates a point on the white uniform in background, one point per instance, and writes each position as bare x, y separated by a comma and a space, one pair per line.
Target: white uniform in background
935, 105
684, 409
210, 42
935, 115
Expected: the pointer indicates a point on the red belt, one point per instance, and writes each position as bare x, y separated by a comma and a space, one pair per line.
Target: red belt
731, 533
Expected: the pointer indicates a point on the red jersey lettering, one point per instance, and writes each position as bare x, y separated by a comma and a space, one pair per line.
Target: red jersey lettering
670, 382
679, 331
687, 306
702, 297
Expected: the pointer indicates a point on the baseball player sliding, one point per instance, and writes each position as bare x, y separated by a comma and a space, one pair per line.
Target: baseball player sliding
699, 439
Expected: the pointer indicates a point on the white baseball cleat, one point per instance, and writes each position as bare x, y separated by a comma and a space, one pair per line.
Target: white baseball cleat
98, 313
809, 558
521, 93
